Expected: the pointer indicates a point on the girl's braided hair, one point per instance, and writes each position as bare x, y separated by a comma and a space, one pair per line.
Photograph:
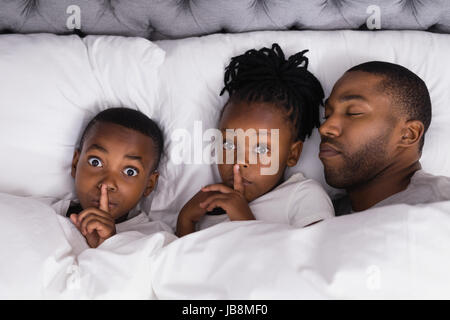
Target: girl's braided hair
266, 76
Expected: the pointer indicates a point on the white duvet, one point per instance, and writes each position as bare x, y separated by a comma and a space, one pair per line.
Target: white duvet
390, 252
38, 262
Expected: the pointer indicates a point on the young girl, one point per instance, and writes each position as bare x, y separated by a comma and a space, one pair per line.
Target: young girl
277, 101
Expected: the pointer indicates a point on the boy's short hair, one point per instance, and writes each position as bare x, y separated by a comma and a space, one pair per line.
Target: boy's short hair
265, 75
131, 119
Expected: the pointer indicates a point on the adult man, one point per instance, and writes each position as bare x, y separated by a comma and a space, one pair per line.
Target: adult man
372, 139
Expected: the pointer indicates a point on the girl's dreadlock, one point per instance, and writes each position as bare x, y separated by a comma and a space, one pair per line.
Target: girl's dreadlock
266, 76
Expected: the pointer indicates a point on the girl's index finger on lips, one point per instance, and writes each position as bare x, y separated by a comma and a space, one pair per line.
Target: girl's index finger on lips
217, 187
104, 201
238, 184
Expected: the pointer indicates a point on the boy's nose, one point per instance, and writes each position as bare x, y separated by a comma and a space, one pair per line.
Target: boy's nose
110, 187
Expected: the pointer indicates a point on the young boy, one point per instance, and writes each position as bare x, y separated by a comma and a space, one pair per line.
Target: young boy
114, 166
267, 92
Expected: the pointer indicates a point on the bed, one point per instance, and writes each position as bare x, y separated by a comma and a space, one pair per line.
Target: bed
64, 61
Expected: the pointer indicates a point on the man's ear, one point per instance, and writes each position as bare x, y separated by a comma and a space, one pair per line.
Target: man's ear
151, 183
412, 132
76, 157
294, 153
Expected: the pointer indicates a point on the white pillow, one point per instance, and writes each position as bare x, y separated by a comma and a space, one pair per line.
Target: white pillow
192, 77
50, 87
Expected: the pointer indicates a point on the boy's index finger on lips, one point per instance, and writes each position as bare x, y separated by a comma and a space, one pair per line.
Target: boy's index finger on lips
238, 184
104, 201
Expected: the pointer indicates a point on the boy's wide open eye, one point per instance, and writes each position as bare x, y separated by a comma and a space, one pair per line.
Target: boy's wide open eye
95, 162
131, 172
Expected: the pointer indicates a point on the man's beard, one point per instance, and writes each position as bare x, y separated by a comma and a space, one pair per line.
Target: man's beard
360, 167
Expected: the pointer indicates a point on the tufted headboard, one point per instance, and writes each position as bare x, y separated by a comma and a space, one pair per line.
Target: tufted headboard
172, 19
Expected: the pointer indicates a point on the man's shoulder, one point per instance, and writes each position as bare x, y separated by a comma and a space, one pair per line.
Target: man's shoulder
438, 185
422, 176
423, 188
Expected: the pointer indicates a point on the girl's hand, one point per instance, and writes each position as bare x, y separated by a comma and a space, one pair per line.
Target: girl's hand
96, 225
191, 213
231, 200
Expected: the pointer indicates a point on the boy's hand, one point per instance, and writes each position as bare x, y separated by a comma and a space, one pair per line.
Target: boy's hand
231, 200
96, 225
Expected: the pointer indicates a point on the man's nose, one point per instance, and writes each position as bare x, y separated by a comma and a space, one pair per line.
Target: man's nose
332, 127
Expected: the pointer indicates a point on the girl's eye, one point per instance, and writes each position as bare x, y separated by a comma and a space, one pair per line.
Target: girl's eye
131, 172
227, 145
262, 149
95, 162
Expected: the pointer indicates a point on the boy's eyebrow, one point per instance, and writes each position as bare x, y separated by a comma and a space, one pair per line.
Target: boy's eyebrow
132, 157
97, 147
128, 156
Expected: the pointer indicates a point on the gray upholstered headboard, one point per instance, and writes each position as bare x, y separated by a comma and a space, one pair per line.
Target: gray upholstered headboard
170, 19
